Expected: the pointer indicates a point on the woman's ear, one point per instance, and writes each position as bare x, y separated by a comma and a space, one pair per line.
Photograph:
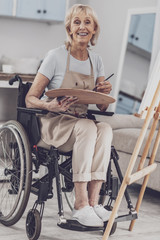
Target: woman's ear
95, 28
69, 31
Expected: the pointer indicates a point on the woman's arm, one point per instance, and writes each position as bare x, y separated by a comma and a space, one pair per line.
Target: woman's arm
32, 98
36, 90
103, 87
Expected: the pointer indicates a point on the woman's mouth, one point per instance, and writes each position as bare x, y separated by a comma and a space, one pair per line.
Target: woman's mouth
82, 34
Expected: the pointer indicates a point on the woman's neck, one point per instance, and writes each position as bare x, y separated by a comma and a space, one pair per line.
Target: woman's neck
79, 52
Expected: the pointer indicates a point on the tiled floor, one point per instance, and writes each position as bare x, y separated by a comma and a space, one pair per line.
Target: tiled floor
147, 226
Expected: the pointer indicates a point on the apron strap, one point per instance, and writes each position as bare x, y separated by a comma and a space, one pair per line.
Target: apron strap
68, 62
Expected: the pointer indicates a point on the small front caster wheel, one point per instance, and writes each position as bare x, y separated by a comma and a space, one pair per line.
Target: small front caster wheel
33, 224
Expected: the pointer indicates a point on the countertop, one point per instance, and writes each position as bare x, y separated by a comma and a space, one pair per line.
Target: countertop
25, 77
5, 77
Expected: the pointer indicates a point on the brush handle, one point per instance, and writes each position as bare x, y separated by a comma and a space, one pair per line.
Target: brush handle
94, 89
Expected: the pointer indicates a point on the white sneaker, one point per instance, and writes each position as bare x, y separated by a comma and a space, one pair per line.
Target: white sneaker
102, 212
87, 216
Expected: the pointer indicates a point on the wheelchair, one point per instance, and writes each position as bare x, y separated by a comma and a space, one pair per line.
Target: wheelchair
20, 157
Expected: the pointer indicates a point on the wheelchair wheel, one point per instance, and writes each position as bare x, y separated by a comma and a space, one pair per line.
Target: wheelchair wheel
69, 195
70, 198
15, 172
33, 224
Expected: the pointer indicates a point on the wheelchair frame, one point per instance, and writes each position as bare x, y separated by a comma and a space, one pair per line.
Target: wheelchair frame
27, 152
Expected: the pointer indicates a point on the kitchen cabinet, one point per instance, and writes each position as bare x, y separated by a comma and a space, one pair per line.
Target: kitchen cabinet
51, 10
127, 104
141, 31
6, 7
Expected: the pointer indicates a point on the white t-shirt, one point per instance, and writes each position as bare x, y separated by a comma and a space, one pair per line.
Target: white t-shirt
54, 66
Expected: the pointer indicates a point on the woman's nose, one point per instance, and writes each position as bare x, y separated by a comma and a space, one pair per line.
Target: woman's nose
82, 25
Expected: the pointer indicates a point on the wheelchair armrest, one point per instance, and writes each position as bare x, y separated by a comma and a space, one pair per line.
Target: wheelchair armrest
32, 110
97, 112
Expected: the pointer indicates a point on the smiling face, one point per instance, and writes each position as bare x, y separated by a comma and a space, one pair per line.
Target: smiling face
82, 28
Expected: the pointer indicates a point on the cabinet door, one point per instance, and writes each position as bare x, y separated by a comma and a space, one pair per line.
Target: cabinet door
54, 10
41, 9
29, 9
144, 32
6, 7
141, 31
135, 19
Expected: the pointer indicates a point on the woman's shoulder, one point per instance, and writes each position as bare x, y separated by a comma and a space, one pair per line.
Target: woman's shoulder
57, 52
96, 58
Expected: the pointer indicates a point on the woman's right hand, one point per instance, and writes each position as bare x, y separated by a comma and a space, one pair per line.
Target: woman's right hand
61, 105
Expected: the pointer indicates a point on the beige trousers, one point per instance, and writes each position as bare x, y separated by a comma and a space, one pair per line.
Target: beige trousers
91, 145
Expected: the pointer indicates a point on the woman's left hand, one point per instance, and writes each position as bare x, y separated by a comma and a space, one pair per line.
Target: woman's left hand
104, 87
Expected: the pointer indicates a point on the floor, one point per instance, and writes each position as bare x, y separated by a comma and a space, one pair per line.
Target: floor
147, 226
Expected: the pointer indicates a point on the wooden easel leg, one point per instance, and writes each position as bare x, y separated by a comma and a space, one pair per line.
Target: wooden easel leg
148, 143
138, 204
144, 185
115, 210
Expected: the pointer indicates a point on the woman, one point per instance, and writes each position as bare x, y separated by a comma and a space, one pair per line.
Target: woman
75, 66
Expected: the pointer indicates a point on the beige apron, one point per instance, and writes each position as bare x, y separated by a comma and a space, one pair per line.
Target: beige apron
57, 128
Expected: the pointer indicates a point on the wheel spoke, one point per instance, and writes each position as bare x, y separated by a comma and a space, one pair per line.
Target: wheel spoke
15, 172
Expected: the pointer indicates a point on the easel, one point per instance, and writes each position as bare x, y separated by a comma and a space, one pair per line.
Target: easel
129, 178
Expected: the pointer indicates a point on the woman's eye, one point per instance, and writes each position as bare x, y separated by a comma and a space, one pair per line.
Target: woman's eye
88, 22
76, 22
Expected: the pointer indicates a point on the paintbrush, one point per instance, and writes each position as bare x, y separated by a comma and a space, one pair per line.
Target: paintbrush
94, 89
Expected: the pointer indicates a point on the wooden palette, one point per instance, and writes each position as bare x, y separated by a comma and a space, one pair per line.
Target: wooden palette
84, 96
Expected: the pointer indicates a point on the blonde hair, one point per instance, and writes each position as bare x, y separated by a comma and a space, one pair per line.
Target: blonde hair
77, 8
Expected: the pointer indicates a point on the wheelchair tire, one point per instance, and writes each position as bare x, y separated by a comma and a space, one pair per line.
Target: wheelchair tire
33, 224
15, 172
69, 196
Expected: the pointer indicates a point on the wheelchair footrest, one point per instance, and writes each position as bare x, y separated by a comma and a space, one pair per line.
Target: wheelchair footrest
76, 226
128, 217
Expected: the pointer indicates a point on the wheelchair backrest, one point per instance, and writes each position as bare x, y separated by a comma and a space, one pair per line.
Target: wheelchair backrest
22, 92
27, 117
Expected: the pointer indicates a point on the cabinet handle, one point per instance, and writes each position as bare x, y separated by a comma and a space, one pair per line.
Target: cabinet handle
132, 35
38, 11
44, 11
136, 38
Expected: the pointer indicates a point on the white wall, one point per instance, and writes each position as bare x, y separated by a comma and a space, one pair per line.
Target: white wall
25, 38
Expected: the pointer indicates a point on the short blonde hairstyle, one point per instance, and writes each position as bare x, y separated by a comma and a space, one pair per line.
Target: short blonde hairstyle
77, 8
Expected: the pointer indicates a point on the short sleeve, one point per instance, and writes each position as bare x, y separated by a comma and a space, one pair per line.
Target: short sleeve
100, 67
48, 65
